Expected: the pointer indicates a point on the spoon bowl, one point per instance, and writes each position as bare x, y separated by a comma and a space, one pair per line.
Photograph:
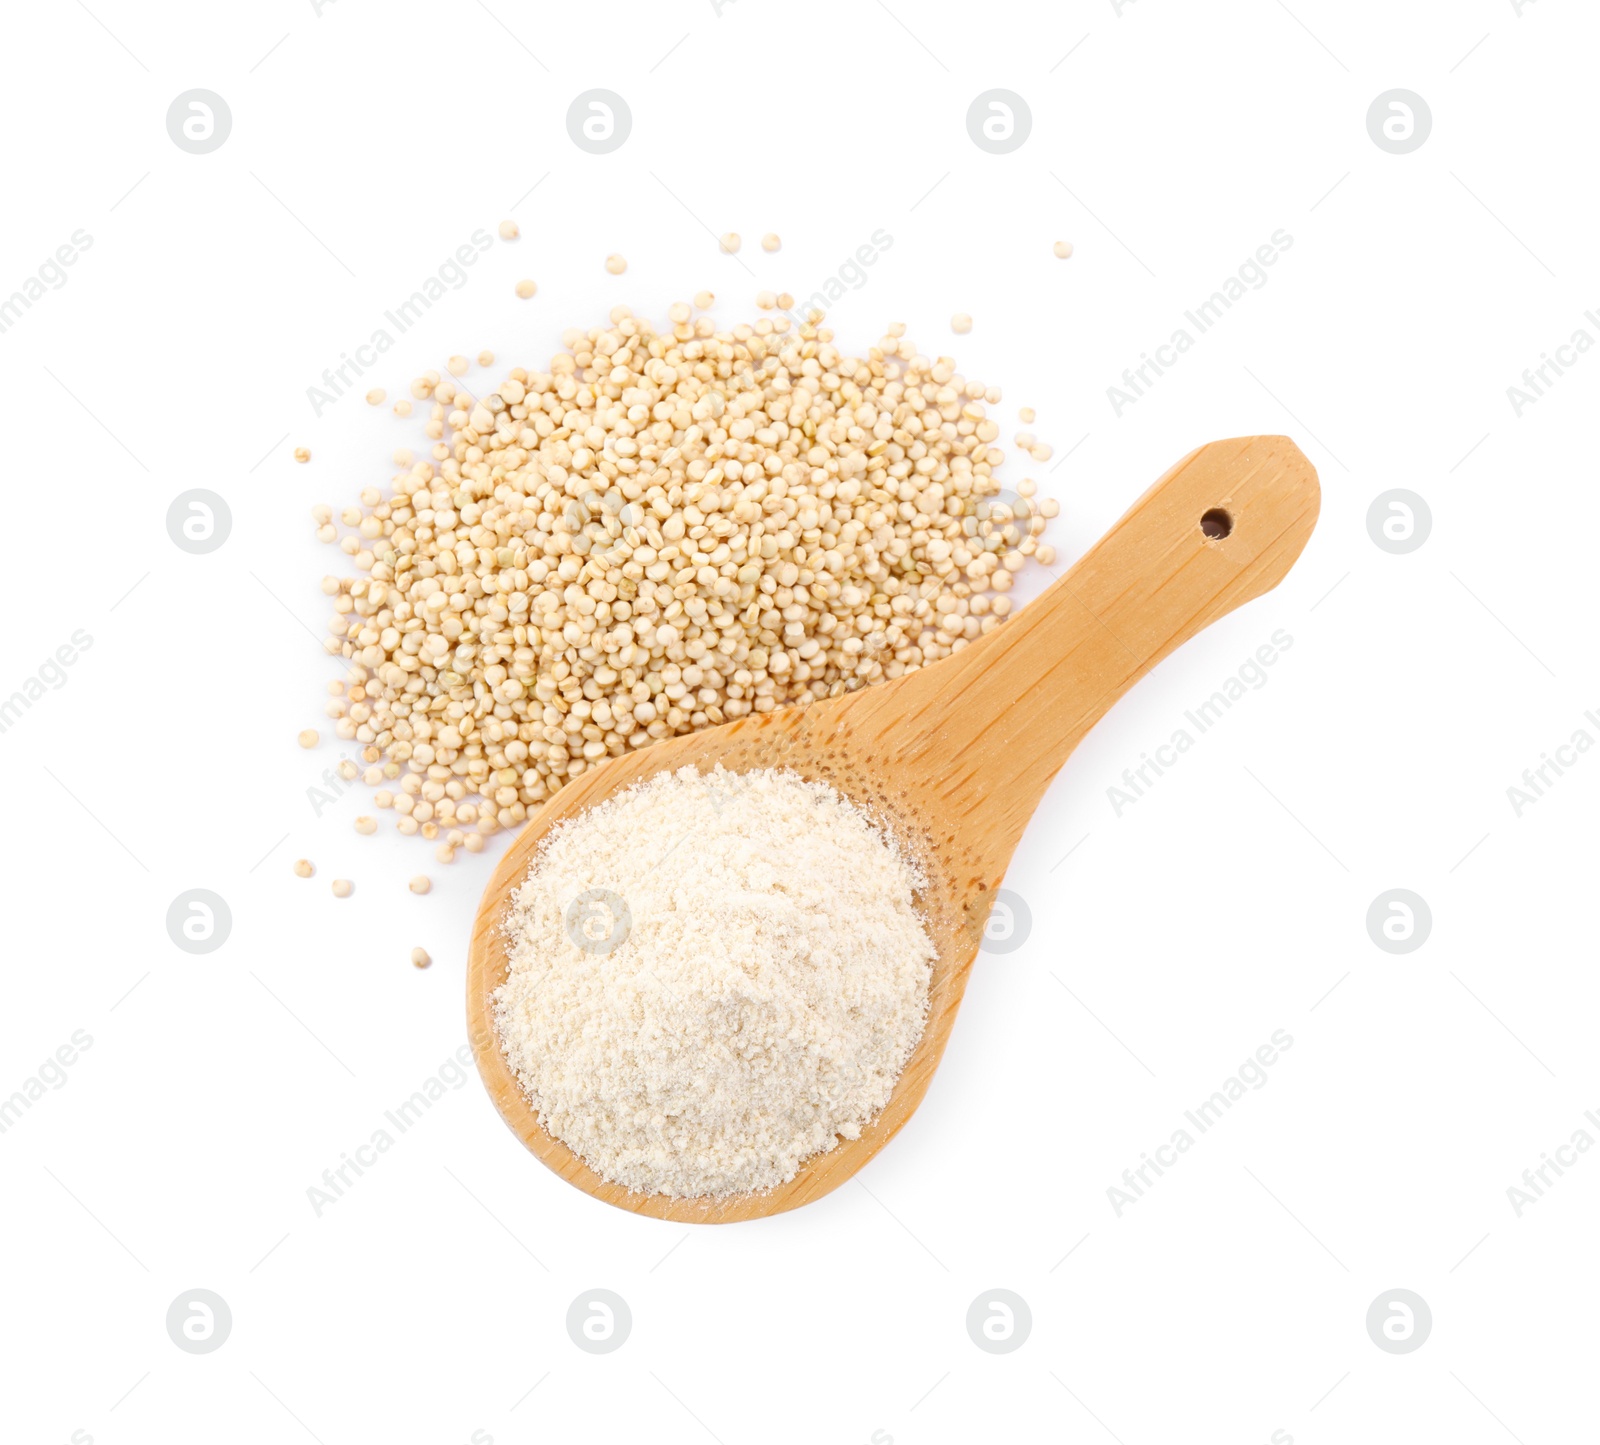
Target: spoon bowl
952, 758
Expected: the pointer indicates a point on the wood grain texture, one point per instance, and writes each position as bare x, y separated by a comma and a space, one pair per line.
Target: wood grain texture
954, 758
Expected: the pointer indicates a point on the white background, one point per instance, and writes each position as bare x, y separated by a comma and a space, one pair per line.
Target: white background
1229, 1302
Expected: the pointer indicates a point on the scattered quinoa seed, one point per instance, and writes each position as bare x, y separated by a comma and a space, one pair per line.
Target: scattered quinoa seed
366, 826
402, 407
458, 365
525, 289
308, 738
704, 300
961, 323
302, 454
421, 883
420, 957
615, 264
1063, 249
303, 868
509, 231
730, 242
486, 358
1026, 414
342, 887
770, 241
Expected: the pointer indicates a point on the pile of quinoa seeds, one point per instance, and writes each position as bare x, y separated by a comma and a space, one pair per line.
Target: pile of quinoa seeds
658, 532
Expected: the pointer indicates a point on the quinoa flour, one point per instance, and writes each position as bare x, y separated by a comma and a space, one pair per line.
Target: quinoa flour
712, 978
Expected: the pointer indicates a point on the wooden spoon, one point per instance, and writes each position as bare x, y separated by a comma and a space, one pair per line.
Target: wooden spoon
955, 757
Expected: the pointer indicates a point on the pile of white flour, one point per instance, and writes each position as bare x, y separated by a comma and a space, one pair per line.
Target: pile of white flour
712, 977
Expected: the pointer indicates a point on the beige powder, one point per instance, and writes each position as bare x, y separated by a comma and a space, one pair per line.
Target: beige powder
713, 977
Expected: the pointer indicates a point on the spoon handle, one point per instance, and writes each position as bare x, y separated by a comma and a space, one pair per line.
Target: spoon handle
1221, 527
